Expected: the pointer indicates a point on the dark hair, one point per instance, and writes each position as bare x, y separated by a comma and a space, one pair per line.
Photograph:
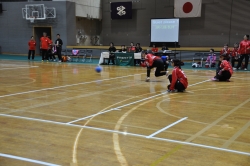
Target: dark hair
225, 57
122, 45
150, 52
176, 62
247, 36
132, 43
225, 44
31, 36
138, 44
58, 34
236, 44
111, 43
212, 49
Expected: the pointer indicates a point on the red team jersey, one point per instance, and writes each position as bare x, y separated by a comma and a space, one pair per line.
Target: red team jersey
32, 45
224, 51
178, 74
225, 65
235, 52
44, 43
244, 46
155, 49
149, 60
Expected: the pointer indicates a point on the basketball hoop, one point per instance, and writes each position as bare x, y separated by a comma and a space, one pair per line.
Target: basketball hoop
32, 20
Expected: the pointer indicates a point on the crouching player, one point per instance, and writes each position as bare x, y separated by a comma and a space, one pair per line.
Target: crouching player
151, 61
224, 71
178, 80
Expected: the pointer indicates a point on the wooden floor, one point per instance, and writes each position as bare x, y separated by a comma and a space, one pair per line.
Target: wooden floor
67, 114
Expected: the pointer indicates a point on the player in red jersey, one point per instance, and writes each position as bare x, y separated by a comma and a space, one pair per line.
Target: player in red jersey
235, 54
244, 51
225, 70
32, 48
178, 80
44, 46
150, 61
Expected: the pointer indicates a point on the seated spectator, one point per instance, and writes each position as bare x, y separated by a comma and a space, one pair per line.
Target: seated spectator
112, 49
138, 48
123, 49
131, 48
225, 50
235, 54
211, 59
154, 49
164, 48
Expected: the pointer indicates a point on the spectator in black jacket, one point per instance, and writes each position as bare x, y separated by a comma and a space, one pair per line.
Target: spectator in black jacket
112, 50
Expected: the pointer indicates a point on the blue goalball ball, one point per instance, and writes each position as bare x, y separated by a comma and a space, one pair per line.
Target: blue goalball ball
98, 69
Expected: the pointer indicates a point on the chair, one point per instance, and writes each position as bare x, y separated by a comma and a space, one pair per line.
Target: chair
82, 54
198, 60
88, 53
75, 55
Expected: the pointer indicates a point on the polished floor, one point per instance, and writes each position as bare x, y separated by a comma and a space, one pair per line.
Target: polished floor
67, 114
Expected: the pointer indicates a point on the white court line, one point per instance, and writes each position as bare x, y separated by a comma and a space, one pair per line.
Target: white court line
131, 134
18, 68
117, 108
57, 87
26, 159
157, 132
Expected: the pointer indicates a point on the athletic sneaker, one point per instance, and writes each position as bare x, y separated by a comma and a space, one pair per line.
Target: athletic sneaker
235, 68
147, 79
214, 79
54, 60
42, 60
245, 69
59, 61
166, 73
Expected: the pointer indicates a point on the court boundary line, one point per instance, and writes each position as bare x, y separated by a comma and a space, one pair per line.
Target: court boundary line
63, 86
27, 159
130, 134
172, 124
138, 101
19, 68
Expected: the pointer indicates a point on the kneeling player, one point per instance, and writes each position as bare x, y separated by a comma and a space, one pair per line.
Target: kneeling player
178, 80
151, 61
224, 71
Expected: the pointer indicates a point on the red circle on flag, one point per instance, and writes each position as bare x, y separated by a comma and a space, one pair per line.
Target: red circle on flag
187, 7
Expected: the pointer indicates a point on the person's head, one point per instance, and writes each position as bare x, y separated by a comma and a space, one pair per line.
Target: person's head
123, 46
138, 44
32, 37
143, 54
150, 52
111, 44
246, 37
131, 44
58, 36
163, 46
236, 45
225, 45
154, 45
176, 62
224, 57
44, 34
211, 50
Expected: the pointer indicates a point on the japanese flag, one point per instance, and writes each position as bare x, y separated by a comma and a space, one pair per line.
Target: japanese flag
187, 8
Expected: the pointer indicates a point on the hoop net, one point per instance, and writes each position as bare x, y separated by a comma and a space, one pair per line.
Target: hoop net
32, 20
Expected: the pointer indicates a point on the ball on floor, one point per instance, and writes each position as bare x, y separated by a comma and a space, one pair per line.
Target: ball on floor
98, 69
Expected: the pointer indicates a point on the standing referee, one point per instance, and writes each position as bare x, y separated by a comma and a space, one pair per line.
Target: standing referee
59, 44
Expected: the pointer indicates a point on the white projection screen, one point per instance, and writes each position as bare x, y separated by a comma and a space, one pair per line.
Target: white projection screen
165, 30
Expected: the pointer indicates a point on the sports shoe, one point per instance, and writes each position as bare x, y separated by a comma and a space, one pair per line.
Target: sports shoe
234, 68
59, 61
214, 79
166, 73
54, 60
228, 80
42, 60
147, 79
245, 69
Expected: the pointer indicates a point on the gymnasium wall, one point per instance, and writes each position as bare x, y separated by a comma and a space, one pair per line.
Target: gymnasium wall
222, 21
15, 32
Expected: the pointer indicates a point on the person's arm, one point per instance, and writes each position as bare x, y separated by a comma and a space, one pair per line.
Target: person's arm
174, 79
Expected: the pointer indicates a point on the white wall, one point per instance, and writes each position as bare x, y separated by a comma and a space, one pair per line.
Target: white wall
87, 8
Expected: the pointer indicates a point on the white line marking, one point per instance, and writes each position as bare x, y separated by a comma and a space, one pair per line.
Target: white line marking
117, 108
157, 132
131, 134
82, 83
26, 159
18, 68
128, 104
